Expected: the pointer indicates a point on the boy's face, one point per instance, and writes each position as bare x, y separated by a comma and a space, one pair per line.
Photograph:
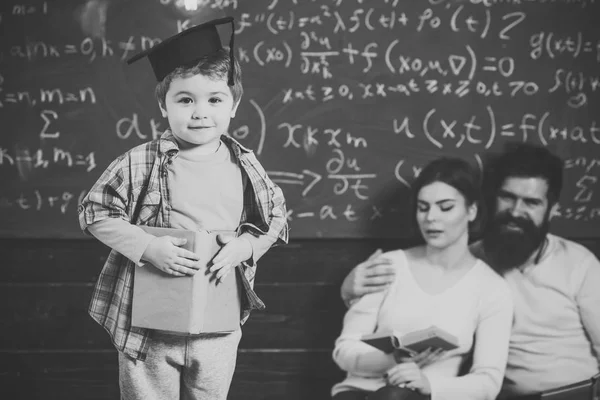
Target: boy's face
199, 110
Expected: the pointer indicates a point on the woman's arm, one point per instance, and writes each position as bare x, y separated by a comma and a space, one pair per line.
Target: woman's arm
490, 353
353, 355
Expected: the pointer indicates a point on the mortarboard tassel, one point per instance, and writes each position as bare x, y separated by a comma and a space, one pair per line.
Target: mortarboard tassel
231, 61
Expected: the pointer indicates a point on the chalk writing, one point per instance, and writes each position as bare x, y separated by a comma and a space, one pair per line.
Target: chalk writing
55, 95
345, 101
38, 200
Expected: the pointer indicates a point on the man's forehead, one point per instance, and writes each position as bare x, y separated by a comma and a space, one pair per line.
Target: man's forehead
531, 187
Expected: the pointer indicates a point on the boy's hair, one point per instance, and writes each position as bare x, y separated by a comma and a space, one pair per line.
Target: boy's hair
214, 66
454, 172
525, 160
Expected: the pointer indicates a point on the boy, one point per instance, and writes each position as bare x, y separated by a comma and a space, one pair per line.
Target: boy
193, 177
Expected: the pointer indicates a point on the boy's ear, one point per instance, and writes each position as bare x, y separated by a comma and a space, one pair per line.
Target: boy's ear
235, 107
163, 111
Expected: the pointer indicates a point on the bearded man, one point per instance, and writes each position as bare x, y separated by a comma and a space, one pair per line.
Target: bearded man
555, 282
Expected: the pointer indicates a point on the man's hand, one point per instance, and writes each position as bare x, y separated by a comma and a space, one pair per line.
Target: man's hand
410, 376
165, 254
373, 275
234, 251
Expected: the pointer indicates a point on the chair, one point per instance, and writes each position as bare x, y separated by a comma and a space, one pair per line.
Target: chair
583, 390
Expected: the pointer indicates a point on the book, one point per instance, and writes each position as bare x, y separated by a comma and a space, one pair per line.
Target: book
186, 304
412, 343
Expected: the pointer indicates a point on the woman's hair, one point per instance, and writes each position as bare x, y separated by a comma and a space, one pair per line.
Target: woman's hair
453, 172
214, 66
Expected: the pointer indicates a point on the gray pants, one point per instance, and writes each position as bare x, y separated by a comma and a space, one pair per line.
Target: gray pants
181, 368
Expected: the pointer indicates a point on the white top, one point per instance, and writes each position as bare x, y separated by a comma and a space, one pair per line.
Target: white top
206, 192
477, 307
556, 334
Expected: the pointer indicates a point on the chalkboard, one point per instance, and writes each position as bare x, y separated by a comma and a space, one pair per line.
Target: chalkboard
345, 100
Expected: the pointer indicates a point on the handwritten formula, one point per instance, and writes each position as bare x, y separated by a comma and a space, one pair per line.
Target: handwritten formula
345, 100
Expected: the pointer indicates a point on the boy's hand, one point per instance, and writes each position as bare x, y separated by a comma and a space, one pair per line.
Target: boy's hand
410, 376
165, 254
372, 275
234, 251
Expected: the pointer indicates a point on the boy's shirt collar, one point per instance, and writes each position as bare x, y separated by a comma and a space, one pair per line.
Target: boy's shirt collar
168, 143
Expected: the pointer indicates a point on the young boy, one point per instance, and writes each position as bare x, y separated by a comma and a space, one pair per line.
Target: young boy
193, 177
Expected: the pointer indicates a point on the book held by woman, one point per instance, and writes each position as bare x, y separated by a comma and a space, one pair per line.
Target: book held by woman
413, 342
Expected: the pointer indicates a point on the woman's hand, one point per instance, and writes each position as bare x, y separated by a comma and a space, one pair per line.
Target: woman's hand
409, 375
422, 359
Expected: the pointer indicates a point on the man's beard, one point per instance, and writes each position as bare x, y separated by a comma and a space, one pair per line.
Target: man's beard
507, 248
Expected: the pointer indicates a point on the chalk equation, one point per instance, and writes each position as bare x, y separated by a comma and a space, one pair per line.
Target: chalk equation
344, 101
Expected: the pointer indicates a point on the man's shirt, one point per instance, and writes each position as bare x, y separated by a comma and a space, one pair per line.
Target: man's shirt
555, 338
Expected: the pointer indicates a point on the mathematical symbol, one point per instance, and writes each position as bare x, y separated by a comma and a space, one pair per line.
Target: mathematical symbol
291, 130
403, 20
505, 132
70, 49
288, 214
490, 67
351, 52
376, 213
367, 88
448, 129
127, 47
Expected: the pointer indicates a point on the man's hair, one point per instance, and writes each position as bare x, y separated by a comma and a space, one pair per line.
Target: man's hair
214, 66
453, 172
525, 160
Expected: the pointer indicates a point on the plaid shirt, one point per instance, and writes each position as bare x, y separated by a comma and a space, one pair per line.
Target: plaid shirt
134, 188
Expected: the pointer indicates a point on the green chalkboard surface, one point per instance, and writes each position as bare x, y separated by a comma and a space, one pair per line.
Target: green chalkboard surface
345, 100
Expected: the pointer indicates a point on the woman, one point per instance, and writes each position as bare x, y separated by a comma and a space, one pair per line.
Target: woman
439, 283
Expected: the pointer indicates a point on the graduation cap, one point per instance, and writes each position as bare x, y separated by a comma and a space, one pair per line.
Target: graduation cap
187, 47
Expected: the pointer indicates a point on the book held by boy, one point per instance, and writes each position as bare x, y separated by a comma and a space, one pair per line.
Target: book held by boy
186, 304
413, 342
